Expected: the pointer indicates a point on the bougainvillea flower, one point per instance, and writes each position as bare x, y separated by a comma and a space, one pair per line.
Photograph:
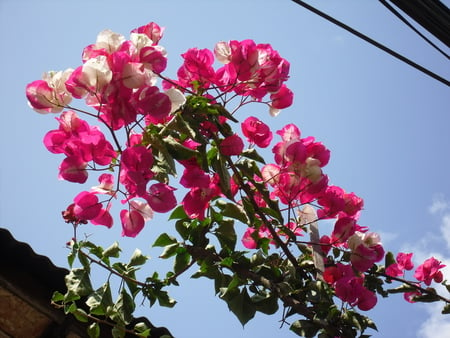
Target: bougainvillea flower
231, 145
343, 229
50, 94
132, 222
429, 271
281, 100
366, 249
403, 262
249, 239
73, 169
194, 176
104, 217
161, 197
350, 287
152, 30
86, 206
143, 208
256, 132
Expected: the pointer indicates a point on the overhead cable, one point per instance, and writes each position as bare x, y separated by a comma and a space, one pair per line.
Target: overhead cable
406, 22
372, 42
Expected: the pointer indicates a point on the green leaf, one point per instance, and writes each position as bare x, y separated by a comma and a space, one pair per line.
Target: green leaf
226, 235
138, 258
78, 282
124, 308
164, 240
427, 298
220, 167
446, 309
112, 251
71, 258
304, 328
242, 306
164, 160
253, 155
389, 259
80, 315
178, 213
57, 297
93, 330
402, 288
143, 333
227, 261
224, 112
182, 260
85, 262
100, 300
177, 150
267, 304
170, 250
118, 332
164, 299
232, 210
275, 213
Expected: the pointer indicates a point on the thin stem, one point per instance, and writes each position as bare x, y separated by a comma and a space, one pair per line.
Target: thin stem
414, 285
112, 271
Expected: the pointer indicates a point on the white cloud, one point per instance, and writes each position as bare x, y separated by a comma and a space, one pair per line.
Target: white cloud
436, 325
445, 229
439, 204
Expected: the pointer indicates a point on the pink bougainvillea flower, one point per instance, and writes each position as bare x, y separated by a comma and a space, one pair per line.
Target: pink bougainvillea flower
106, 185
289, 132
350, 287
90, 78
256, 132
104, 217
161, 197
249, 239
152, 30
86, 206
135, 170
153, 58
343, 229
50, 94
231, 145
332, 201
132, 222
403, 262
143, 208
353, 204
194, 176
197, 68
281, 100
73, 169
366, 249
153, 104
430, 271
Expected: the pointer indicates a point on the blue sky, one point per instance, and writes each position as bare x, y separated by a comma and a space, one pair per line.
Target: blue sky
385, 123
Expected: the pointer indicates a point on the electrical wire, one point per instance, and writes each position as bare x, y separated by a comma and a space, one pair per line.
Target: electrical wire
372, 42
406, 22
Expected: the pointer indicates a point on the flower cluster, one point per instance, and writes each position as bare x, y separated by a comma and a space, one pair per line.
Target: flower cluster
249, 70
185, 124
297, 179
427, 272
118, 79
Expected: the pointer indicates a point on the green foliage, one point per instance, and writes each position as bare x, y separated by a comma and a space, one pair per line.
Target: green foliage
282, 273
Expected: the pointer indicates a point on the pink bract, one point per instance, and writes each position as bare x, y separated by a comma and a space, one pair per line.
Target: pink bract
256, 132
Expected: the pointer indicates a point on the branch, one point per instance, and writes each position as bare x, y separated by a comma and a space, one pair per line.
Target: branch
414, 285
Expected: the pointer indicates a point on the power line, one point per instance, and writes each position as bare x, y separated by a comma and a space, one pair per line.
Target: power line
406, 22
372, 42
